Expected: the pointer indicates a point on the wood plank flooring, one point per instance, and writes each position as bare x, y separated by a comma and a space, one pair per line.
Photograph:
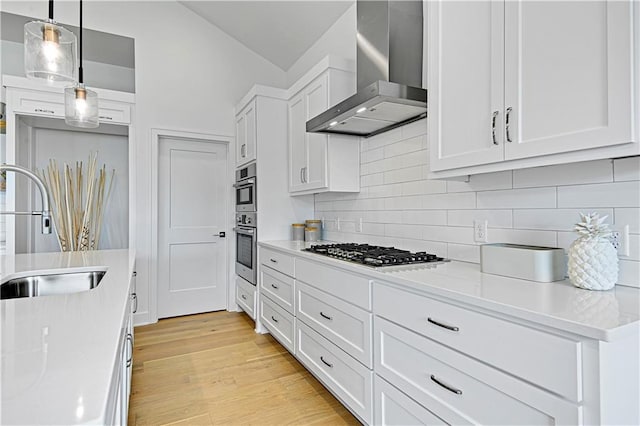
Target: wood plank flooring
213, 369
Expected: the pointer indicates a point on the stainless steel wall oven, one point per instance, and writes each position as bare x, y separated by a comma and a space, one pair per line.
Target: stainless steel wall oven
246, 247
246, 189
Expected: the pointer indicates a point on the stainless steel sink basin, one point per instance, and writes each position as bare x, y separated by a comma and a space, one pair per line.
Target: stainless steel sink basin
45, 285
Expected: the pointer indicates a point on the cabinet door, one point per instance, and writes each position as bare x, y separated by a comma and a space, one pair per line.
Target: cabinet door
465, 74
297, 142
246, 135
317, 102
241, 138
568, 75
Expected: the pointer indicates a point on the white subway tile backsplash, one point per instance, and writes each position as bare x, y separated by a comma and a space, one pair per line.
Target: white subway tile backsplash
628, 216
403, 175
403, 147
626, 169
518, 198
416, 128
424, 187
619, 194
400, 207
629, 273
494, 218
564, 174
425, 217
483, 182
553, 219
519, 236
463, 200
464, 253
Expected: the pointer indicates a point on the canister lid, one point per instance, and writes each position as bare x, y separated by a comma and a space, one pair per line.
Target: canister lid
297, 225
313, 221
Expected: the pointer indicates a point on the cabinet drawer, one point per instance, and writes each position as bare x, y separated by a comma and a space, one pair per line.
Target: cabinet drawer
114, 112
246, 297
548, 360
279, 287
353, 288
459, 389
281, 262
345, 325
349, 380
45, 104
280, 323
392, 407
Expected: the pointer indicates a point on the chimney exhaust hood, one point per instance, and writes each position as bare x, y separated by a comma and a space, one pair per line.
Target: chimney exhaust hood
389, 72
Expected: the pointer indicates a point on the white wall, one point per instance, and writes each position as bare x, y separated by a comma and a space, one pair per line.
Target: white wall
189, 75
539, 206
339, 40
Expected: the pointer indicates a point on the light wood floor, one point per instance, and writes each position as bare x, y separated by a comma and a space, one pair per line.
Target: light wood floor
212, 369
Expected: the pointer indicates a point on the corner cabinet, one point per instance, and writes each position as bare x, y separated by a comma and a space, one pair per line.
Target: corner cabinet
246, 134
510, 95
320, 162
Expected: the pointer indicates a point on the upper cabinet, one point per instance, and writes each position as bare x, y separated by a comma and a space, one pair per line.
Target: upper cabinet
246, 134
530, 83
320, 162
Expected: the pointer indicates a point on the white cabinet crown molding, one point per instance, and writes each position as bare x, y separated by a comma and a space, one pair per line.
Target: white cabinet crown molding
260, 90
24, 83
328, 62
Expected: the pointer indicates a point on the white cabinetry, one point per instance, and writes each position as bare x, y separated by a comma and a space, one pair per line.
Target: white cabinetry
318, 162
246, 134
529, 83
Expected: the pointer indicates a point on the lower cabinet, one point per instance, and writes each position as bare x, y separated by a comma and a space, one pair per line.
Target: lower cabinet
393, 407
279, 322
349, 380
246, 297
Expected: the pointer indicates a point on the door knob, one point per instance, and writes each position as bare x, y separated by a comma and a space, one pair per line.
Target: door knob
222, 234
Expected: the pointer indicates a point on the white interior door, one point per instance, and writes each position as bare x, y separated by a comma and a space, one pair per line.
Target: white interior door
192, 201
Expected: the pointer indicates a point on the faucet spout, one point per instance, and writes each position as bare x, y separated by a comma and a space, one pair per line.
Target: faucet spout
46, 208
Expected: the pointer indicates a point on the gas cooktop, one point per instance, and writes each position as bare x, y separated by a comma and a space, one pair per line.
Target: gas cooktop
375, 256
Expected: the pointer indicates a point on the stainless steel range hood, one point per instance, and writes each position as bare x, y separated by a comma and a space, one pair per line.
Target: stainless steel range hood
389, 61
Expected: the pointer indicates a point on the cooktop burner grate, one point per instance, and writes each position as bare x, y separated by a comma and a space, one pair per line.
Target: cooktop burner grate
376, 256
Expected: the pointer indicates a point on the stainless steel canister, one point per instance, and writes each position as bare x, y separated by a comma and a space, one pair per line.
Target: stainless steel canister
311, 234
297, 231
315, 223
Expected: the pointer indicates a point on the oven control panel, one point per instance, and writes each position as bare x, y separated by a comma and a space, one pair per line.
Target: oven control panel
247, 219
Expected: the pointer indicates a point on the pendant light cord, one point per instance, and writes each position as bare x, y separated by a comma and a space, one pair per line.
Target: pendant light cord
51, 10
80, 73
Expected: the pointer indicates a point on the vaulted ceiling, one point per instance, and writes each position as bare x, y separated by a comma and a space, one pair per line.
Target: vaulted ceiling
280, 31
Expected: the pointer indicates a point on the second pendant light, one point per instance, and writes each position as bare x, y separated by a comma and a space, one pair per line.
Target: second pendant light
80, 103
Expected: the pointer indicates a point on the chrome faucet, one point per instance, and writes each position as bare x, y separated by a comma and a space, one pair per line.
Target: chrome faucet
46, 210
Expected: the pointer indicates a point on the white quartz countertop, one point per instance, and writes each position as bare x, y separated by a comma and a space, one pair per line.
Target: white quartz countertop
59, 352
602, 315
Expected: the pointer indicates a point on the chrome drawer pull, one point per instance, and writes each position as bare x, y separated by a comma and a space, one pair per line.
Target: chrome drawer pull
48, 111
243, 296
326, 363
134, 296
273, 260
439, 324
130, 356
105, 117
493, 127
322, 314
446, 386
508, 124
274, 319
274, 286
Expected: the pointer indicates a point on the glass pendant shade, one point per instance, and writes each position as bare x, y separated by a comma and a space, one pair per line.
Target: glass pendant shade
81, 107
49, 52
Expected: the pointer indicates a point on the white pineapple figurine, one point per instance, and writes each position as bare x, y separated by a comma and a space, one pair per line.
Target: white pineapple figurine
593, 261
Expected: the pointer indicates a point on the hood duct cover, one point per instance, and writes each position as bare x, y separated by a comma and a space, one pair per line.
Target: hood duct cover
389, 74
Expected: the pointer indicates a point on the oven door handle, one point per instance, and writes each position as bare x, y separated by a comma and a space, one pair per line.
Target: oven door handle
248, 182
244, 231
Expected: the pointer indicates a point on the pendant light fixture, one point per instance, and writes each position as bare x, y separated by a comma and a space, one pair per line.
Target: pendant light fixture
80, 103
49, 50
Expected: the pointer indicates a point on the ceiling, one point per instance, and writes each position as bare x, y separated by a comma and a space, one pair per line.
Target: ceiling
279, 31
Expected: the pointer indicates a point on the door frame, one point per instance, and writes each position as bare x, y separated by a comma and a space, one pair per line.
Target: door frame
156, 134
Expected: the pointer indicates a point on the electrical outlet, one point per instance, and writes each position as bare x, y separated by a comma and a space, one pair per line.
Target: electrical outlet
480, 231
359, 228
620, 239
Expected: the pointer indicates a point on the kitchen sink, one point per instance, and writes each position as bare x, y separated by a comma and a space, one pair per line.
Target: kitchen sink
46, 285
